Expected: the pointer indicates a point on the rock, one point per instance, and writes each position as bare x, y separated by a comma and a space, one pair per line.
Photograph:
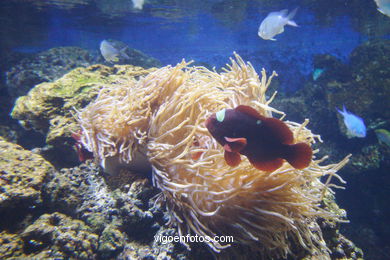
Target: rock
161, 250
45, 67
83, 192
8, 133
49, 107
59, 235
111, 242
361, 85
117, 216
370, 84
61, 4
11, 245
22, 174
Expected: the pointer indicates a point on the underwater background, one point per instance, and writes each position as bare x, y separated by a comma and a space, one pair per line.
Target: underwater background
339, 55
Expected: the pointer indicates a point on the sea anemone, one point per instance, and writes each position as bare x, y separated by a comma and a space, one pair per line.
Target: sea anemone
160, 119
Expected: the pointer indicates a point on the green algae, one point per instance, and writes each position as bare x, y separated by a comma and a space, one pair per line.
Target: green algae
49, 107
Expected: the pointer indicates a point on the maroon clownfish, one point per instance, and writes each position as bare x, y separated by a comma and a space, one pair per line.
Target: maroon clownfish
83, 153
265, 141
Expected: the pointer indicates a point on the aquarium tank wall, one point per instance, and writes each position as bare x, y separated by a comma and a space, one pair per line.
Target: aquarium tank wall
166, 129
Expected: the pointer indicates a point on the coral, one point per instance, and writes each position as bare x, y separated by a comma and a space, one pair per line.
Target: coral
60, 235
22, 175
162, 117
370, 158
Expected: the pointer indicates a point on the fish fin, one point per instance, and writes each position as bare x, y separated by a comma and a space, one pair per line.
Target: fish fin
344, 109
381, 11
235, 144
272, 39
299, 155
250, 111
227, 148
232, 159
290, 17
268, 166
123, 53
341, 112
280, 130
195, 156
292, 23
283, 12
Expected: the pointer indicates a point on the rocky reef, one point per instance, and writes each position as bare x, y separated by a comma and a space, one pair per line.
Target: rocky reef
362, 85
46, 67
49, 107
132, 56
80, 213
83, 213
73, 213
22, 177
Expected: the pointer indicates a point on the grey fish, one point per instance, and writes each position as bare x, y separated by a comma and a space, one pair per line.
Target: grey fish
110, 53
274, 23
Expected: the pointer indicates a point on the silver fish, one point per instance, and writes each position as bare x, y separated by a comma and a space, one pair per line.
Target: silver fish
110, 53
354, 124
383, 6
274, 23
138, 4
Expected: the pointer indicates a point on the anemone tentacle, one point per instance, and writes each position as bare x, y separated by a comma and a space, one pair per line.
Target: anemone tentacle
163, 114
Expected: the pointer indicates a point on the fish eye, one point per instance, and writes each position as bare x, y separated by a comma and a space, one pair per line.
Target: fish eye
220, 115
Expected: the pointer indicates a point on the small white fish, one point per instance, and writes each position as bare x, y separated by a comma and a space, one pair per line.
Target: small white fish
354, 124
383, 6
138, 4
110, 53
274, 23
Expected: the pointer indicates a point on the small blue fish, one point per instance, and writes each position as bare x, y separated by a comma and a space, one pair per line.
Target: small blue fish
317, 73
354, 124
383, 136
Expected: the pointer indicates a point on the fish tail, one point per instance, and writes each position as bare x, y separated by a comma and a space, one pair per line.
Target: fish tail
298, 155
290, 17
342, 112
344, 109
123, 53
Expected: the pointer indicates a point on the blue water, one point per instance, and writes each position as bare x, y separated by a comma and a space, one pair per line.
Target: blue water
208, 32
201, 37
